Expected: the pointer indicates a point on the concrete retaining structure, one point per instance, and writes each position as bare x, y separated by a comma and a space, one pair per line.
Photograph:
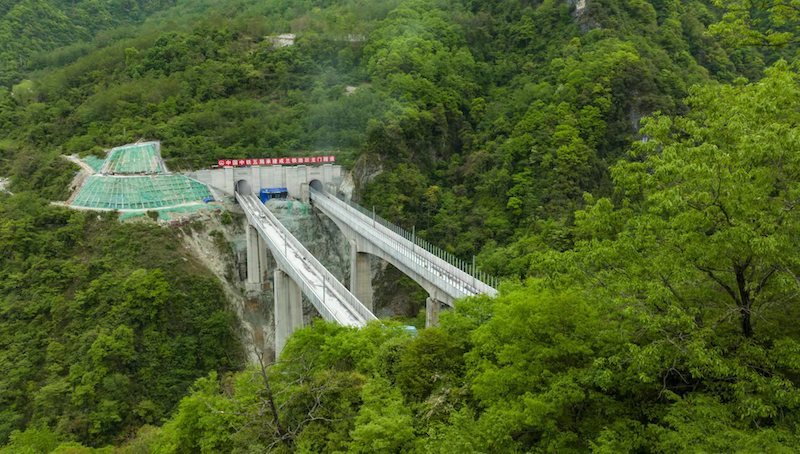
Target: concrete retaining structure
294, 178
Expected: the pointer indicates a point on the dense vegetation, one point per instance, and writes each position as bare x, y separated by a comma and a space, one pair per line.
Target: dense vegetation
631, 169
103, 326
29, 29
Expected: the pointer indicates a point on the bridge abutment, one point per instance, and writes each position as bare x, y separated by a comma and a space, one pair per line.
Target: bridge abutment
295, 178
288, 308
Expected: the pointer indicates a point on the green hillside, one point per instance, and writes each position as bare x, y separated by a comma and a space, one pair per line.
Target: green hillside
629, 168
30, 30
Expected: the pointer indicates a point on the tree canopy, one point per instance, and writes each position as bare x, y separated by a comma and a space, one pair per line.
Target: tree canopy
629, 168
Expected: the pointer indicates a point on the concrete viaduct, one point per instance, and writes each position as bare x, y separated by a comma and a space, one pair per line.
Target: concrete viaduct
443, 281
299, 273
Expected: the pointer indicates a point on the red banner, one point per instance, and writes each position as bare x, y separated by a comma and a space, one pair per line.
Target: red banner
276, 161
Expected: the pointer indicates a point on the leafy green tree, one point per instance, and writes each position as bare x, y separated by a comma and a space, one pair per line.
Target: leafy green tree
32, 441
97, 340
769, 23
704, 263
717, 189
430, 362
384, 423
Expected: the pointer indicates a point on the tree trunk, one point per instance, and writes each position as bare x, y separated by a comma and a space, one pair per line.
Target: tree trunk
271, 401
744, 299
747, 327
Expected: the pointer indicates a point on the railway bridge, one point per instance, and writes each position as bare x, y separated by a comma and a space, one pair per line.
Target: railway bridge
299, 273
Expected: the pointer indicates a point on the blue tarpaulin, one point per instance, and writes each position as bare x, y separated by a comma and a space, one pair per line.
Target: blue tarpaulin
273, 193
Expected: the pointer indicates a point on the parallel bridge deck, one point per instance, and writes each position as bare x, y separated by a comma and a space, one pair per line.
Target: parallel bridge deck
333, 301
452, 280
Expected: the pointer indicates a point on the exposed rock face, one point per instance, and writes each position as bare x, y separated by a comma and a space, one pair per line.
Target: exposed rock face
282, 40
583, 15
635, 118
580, 6
365, 170
222, 248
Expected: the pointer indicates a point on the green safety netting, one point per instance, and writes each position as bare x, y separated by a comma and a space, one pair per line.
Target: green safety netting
169, 214
292, 206
94, 162
139, 192
134, 158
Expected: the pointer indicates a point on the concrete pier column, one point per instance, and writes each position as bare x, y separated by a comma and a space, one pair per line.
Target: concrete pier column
263, 259
432, 308
254, 271
361, 277
288, 309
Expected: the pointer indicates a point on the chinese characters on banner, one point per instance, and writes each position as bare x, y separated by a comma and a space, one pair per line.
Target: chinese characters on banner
275, 161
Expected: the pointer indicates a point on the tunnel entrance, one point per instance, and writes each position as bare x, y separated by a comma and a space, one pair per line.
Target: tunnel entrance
243, 187
317, 185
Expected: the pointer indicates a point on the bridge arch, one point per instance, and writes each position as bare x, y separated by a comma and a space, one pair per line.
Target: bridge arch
359, 245
243, 187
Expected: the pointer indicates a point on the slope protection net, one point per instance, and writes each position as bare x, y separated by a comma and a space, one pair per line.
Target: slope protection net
145, 192
94, 162
134, 159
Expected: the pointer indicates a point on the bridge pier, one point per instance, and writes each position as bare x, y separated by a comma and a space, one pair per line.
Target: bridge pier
361, 276
433, 269
432, 309
255, 264
288, 309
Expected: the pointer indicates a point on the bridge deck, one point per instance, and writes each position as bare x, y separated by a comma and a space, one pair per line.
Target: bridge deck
333, 301
450, 279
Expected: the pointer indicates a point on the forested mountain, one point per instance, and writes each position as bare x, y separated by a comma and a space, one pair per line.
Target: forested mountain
628, 167
104, 326
31, 28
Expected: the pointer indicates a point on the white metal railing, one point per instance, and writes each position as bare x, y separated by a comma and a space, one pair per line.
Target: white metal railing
398, 249
429, 261
331, 286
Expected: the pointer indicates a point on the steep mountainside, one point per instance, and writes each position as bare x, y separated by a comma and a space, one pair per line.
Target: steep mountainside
628, 167
31, 29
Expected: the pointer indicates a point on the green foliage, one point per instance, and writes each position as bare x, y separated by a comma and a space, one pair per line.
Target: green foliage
30, 27
759, 23
32, 441
668, 326
104, 326
384, 423
658, 304
501, 119
534, 369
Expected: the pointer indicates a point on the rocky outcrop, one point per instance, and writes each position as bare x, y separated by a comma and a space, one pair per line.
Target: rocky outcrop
218, 240
580, 6
366, 168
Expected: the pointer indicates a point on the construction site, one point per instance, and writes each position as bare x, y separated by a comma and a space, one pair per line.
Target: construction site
133, 180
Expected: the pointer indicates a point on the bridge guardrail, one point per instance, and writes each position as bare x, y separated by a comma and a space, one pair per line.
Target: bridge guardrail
293, 274
466, 284
469, 268
328, 278
393, 246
